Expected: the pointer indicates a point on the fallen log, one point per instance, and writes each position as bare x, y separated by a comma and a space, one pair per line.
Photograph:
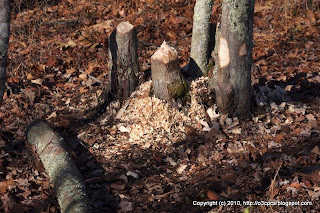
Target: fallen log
62, 171
123, 64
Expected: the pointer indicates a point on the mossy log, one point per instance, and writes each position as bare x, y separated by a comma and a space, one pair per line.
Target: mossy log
123, 54
61, 169
167, 80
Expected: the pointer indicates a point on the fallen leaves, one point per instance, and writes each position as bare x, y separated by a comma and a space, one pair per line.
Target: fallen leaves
212, 195
125, 206
4, 185
132, 174
58, 74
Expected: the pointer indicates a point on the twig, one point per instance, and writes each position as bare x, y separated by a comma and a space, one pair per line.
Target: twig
182, 37
93, 78
60, 22
273, 182
50, 23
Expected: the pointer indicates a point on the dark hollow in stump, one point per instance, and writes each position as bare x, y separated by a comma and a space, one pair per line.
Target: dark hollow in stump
167, 80
58, 164
123, 54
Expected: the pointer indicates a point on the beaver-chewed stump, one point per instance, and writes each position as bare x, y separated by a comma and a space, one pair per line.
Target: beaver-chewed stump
167, 80
62, 171
123, 53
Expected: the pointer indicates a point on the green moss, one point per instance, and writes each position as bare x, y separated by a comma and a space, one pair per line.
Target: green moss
178, 88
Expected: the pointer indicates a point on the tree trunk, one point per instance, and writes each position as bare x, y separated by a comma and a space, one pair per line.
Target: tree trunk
233, 58
123, 54
200, 42
4, 42
167, 81
61, 169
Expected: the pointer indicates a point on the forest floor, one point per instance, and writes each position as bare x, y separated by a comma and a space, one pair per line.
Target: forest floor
145, 155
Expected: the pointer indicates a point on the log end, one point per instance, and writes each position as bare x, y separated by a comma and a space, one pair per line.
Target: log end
124, 27
32, 124
165, 54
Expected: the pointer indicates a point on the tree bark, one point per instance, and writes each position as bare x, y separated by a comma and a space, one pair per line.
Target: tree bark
233, 58
167, 80
4, 42
200, 41
61, 169
123, 52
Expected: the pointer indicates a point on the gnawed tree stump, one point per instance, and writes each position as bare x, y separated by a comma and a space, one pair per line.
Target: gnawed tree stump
167, 80
123, 53
61, 169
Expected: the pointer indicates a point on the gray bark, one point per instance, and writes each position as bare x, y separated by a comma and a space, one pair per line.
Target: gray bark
167, 81
61, 169
200, 37
4, 42
123, 54
233, 58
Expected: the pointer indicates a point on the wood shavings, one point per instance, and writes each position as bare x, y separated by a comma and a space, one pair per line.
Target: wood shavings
153, 118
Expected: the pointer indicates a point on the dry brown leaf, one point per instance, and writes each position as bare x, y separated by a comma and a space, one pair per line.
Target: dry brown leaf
117, 186
52, 60
83, 89
125, 206
70, 43
37, 81
190, 130
315, 150
310, 117
279, 138
30, 94
4, 185
30, 76
311, 16
295, 185
212, 195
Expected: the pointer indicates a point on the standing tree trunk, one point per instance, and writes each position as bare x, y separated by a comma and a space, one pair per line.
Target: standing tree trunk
4, 42
200, 38
123, 54
233, 58
167, 80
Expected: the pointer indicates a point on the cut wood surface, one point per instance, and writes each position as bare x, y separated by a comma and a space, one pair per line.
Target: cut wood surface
61, 169
123, 54
167, 80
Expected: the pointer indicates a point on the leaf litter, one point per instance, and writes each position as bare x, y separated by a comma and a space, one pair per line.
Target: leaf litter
146, 155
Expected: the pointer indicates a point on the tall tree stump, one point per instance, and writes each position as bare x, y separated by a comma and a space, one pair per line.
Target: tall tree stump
4, 42
200, 42
231, 77
167, 80
61, 169
123, 53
